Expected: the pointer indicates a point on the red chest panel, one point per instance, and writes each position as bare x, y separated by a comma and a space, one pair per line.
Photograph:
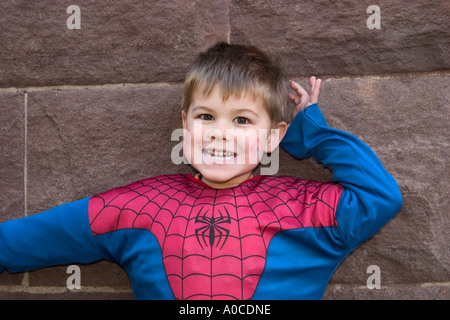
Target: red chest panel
214, 242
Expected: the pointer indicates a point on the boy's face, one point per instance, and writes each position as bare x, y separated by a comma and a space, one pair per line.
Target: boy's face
225, 140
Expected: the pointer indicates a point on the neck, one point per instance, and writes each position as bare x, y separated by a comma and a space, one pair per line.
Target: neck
227, 184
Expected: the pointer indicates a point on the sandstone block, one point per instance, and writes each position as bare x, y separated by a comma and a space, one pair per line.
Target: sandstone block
88, 141
104, 275
75, 295
12, 148
12, 144
332, 37
400, 292
118, 42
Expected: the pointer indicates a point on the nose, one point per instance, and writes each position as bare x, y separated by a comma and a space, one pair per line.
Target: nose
220, 132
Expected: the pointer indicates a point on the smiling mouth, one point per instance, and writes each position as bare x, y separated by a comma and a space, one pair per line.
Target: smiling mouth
219, 155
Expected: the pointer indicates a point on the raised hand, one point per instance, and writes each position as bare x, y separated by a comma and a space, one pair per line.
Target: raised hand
302, 99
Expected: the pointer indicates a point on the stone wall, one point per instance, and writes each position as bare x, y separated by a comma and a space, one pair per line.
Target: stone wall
85, 110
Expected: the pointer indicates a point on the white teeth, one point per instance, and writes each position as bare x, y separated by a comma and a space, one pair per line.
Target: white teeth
219, 154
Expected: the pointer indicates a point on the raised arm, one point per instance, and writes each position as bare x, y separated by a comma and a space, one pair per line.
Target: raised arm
371, 196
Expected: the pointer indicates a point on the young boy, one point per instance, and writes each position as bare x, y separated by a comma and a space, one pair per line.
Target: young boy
225, 234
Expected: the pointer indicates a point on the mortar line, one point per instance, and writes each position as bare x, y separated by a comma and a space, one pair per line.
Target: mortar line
90, 86
383, 76
342, 286
228, 21
25, 279
61, 289
25, 160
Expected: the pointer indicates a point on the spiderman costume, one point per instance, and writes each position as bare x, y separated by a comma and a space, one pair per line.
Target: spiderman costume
267, 238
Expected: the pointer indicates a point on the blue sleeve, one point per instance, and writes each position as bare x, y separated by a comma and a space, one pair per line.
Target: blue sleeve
61, 235
371, 196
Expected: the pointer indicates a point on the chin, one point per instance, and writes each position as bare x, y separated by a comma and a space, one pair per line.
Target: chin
224, 173
217, 175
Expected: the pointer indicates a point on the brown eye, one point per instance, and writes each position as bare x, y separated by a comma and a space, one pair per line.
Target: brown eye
206, 117
242, 120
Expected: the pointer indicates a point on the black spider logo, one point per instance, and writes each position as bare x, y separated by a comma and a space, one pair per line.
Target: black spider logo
212, 228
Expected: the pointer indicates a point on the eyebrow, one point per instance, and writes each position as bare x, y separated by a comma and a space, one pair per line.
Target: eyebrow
238, 110
201, 108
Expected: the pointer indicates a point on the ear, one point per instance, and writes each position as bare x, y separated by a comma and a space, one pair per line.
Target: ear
275, 136
183, 118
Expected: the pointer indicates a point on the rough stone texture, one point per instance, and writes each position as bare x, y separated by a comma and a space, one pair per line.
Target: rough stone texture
102, 103
81, 142
99, 274
329, 37
12, 150
119, 41
399, 292
67, 295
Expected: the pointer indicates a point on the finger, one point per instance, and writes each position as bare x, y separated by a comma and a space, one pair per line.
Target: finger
312, 83
294, 98
315, 92
304, 100
298, 89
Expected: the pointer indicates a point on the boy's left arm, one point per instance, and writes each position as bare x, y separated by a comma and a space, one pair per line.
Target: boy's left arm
371, 196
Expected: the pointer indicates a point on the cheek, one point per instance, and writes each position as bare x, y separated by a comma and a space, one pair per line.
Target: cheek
192, 144
187, 145
253, 151
255, 146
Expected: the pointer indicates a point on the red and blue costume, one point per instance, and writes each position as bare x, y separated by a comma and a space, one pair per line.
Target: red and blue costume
268, 238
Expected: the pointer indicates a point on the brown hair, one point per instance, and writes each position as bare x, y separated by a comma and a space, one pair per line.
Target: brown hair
238, 69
